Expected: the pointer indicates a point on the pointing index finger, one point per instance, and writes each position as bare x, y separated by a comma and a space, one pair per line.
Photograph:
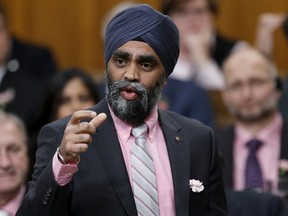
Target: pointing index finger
79, 115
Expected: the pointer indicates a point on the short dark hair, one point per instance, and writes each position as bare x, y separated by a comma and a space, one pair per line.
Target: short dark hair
169, 5
54, 91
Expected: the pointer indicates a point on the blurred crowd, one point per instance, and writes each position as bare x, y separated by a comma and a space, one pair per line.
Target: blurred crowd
34, 92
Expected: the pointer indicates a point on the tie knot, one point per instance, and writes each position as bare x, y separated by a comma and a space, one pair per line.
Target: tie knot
140, 131
254, 144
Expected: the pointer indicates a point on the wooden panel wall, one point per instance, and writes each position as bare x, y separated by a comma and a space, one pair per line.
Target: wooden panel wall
238, 19
71, 27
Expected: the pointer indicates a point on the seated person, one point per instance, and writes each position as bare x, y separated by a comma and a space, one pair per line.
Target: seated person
13, 163
24, 71
202, 48
69, 90
256, 143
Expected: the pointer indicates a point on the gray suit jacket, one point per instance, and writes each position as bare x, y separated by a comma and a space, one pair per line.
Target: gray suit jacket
101, 186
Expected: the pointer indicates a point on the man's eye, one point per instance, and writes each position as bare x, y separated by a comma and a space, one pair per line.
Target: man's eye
120, 62
14, 148
147, 66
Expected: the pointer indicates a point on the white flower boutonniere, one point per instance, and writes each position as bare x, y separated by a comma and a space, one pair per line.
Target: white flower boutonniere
283, 168
196, 186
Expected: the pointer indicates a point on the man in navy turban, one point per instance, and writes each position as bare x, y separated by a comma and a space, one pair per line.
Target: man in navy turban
152, 27
144, 24
136, 159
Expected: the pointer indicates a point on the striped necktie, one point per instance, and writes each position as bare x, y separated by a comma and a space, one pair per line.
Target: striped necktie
143, 174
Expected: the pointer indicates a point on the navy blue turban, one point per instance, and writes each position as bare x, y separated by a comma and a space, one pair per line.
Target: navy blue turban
150, 26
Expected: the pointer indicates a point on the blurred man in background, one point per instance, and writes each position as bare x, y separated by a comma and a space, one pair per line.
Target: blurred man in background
13, 163
253, 147
24, 71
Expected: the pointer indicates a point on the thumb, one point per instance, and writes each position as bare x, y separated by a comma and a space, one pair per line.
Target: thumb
99, 119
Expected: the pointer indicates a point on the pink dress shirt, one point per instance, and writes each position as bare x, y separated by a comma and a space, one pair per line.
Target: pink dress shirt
156, 144
12, 206
268, 154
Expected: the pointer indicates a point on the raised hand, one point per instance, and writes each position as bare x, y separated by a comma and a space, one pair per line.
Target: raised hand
78, 135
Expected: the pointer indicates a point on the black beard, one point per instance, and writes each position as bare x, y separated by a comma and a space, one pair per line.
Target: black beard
134, 111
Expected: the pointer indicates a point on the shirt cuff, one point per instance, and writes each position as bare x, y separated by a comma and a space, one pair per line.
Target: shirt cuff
63, 173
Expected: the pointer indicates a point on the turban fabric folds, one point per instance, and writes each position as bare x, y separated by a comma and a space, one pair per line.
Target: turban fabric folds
152, 27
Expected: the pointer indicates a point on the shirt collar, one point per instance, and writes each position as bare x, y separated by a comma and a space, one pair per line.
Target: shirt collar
12, 206
125, 127
243, 135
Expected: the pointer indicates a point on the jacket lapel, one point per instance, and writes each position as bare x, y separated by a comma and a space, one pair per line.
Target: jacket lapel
178, 151
228, 166
225, 141
110, 154
284, 141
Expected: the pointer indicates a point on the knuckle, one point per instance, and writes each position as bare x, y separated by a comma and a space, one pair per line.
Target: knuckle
85, 125
69, 129
84, 148
77, 114
68, 137
85, 137
81, 137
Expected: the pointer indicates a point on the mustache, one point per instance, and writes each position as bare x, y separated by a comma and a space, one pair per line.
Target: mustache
137, 87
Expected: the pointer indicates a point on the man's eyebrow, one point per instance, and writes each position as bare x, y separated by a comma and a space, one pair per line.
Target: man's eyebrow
121, 54
148, 58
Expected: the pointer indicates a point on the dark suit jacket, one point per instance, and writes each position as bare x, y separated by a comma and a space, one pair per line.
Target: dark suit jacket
225, 140
252, 203
188, 99
35, 67
101, 186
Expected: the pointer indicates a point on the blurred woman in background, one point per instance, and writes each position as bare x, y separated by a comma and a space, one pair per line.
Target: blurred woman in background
68, 91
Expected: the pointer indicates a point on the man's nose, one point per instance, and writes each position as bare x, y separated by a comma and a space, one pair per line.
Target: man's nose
247, 91
5, 161
132, 73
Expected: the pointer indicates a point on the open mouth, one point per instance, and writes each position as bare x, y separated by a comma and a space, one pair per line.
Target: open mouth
129, 93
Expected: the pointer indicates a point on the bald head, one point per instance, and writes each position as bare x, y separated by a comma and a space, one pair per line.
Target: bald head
249, 58
250, 93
